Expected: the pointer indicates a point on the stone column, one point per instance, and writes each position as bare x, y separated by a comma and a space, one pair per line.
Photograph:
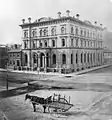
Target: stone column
45, 65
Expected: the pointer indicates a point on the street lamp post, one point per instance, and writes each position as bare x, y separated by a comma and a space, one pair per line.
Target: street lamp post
7, 85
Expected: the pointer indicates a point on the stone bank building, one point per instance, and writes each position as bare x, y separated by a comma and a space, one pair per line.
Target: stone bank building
64, 44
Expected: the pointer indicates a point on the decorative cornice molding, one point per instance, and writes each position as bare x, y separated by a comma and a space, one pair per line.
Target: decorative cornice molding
59, 20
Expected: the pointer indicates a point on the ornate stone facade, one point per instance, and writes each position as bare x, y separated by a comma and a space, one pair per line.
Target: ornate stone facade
63, 44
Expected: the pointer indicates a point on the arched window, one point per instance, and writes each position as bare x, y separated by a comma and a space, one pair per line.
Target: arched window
71, 58
77, 42
34, 58
76, 58
54, 58
53, 43
94, 57
85, 58
62, 30
63, 42
72, 30
26, 59
76, 31
34, 44
63, 59
33, 33
45, 32
41, 32
81, 32
72, 44
85, 33
40, 44
88, 57
45, 43
91, 58
25, 34
53, 31
25, 44
81, 58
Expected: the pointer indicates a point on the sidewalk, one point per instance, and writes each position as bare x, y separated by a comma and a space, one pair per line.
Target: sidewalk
60, 74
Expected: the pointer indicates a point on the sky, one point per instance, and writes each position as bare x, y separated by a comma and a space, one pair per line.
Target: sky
13, 11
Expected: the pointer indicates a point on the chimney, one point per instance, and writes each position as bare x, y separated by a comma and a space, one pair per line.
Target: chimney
77, 16
23, 21
101, 25
59, 14
95, 22
68, 12
29, 19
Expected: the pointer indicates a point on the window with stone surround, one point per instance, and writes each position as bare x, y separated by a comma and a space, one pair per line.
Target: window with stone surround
71, 58
77, 42
63, 42
34, 33
84, 57
81, 32
81, 57
72, 43
54, 59
25, 44
63, 30
34, 44
40, 32
53, 43
25, 34
76, 31
63, 59
45, 43
34, 58
40, 44
72, 30
76, 58
26, 59
53, 31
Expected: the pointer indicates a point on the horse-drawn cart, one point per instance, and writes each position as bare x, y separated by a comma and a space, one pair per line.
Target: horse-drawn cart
55, 103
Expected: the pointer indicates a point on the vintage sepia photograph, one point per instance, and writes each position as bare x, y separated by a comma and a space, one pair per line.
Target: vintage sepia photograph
55, 59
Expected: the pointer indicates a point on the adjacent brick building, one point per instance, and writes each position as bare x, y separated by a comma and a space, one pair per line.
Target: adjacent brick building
15, 56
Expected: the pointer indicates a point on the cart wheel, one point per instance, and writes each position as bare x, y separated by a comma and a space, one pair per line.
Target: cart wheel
63, 100
52, 110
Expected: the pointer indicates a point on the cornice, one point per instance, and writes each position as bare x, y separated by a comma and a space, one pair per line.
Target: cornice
59, 20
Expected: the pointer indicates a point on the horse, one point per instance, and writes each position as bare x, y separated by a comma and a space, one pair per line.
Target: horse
38, 100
